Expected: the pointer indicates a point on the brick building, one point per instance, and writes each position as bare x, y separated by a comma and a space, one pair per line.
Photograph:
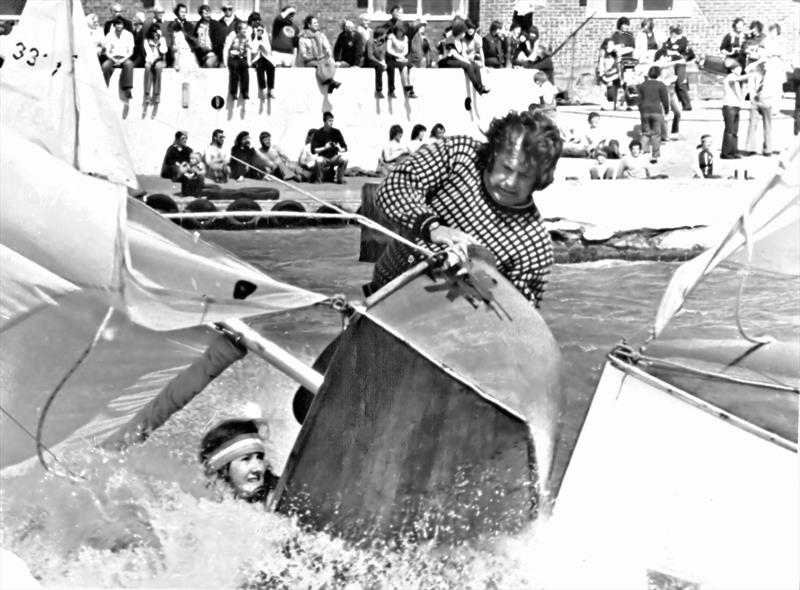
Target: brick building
704, 21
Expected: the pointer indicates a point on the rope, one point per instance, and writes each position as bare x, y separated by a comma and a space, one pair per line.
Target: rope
40, 425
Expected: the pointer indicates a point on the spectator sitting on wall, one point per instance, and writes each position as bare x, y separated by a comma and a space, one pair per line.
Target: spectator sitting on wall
348, 51
419, 47
261, 58
236, 55
182, 40
155, 54
525, 53
542, 60
276, 162
119, 49
397, 59
474, 43
116, 13
138, 40
394, 152
245, 160
596, 138
207, 34
217, 158
455, 56
315, 52
512, 43
733, 42
634, 165
328, 143
601, 170
227, 23
193, 176
284, 38
493, 47
375, 58
363, 28
157, 20
417, 137
96, 35
310, 164
176, 157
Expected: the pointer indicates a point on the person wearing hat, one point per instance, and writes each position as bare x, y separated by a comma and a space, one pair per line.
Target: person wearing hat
232, 452
284, 38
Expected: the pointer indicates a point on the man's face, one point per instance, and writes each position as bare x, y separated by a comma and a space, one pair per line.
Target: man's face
116, 10
219, 139
510, 180
397, 13
593, 122
625, 28
182, 139
158, 15
327, 122
205, 14
738, 26
266, 142
636, 150
182, 13
246, 474
227, 11
246, 141
118, 28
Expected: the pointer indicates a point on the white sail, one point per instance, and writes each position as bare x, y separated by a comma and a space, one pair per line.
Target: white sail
53, 91
764, 238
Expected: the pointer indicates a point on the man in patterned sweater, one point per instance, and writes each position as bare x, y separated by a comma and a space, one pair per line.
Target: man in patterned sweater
461, 191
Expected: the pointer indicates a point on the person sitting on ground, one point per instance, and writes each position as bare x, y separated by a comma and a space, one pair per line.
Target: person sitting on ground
437, 132
601, 170
596, 138
634, 165
217, 158
119, 50
193, 176
544, 92
315, 52
394, 152
155, 55
177, 154
417, 137
348, 51
653, 107
375, 58
455, 56
233, 453
705, 158
285, 35
206, 36
461, 192
329, 144
493, 47
236, 56
245, 161
310, 164
276, 162
397, 59
261, 58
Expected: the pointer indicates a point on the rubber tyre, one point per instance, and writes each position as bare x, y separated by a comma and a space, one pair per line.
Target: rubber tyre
329, 222
200, 206
287, 221
244, 222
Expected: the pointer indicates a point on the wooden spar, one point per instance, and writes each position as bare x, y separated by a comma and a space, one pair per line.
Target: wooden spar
221, 353
275, 355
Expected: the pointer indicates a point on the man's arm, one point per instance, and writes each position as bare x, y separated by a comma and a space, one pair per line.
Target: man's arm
340, 140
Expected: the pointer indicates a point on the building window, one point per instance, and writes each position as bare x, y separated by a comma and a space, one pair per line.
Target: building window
430, 9
11, 8
640, 8
241, 8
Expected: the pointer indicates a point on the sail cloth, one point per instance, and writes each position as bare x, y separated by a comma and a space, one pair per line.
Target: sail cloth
765, 238
54, 93
71, 246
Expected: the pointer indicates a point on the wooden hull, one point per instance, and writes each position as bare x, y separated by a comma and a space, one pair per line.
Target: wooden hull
422, 428
665, 484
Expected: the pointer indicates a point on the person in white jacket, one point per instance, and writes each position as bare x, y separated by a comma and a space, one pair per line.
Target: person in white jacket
118, 50
155, 53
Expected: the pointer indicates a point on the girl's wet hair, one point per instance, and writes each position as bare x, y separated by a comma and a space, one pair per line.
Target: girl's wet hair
541, 144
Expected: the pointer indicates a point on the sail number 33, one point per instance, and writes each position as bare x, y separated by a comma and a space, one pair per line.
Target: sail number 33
32, 53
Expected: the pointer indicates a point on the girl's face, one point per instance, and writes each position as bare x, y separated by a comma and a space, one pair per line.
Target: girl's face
246, 474
439, 133
398, 137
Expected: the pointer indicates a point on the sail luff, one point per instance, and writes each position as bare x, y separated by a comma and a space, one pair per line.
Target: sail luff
73, 76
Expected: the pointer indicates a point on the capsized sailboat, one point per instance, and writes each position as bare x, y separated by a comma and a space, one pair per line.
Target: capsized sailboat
686, 468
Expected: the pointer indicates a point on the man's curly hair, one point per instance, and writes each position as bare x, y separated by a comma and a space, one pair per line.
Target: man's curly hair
541, 145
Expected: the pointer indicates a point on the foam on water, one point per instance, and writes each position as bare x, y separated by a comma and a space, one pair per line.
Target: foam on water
147, 519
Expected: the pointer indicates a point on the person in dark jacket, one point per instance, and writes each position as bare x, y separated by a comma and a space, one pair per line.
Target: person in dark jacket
207, 33
653, 106
676, 49
348, 51
116, 12
245, 161
177, 156
375, 58
494, 52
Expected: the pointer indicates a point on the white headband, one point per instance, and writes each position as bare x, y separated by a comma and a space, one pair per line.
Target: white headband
237, 447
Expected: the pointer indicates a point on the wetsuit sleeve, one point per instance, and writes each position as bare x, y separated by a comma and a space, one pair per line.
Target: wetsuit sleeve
406, 194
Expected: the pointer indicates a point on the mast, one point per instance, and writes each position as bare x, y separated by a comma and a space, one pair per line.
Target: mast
72, 60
